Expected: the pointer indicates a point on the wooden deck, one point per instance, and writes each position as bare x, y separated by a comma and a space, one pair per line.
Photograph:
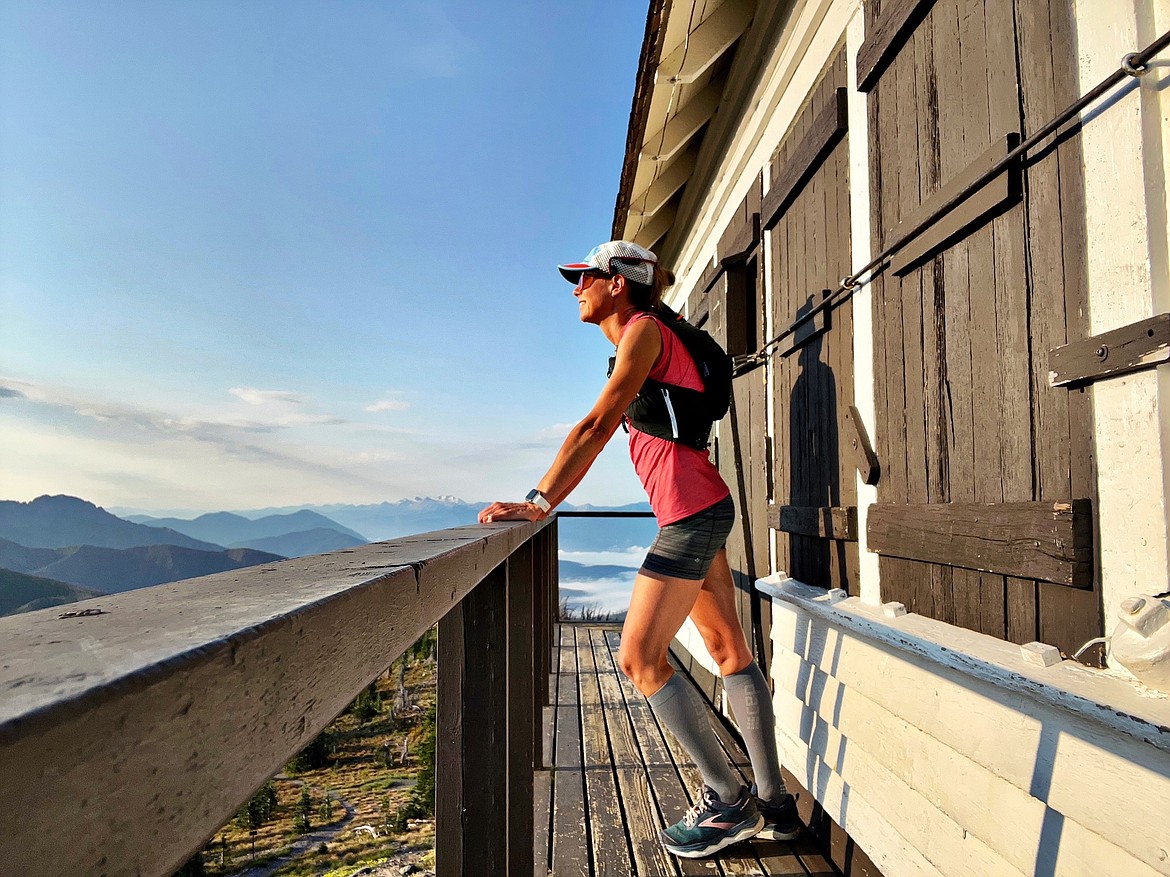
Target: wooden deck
618, 777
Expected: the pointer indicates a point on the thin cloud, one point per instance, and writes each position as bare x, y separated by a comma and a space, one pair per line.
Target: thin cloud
557, 431
119, 425
388, 404
253, 396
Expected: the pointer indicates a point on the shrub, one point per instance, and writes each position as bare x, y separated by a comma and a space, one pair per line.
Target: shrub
260, 807
317, 754
302, 821
421, 803
367, 704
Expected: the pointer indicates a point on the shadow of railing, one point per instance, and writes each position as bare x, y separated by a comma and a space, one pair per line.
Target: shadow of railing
133, 726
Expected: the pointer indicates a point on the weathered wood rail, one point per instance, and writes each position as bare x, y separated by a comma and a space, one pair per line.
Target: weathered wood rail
128, 736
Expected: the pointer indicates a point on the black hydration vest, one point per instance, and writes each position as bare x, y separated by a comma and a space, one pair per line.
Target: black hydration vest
676, 413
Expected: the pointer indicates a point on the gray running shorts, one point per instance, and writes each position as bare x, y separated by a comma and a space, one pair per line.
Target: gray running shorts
685, 549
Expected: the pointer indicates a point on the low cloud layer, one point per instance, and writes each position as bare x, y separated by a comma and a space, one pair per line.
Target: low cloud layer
266, 397
246, 453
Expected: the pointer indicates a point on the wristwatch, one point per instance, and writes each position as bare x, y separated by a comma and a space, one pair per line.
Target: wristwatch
537, 499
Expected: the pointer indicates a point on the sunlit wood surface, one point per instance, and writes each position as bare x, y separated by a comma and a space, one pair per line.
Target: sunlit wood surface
616, 777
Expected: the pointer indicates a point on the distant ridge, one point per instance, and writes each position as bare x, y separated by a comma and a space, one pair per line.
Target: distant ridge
113, 570
62, 521
24, 593
228, 528
405, 517
387, 520
316, 541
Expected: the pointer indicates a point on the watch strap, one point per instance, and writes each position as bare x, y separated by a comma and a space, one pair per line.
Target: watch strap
537, 499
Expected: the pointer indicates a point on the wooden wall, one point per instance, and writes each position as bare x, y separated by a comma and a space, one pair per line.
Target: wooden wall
964, 411
801, 467
741, 447
813, 377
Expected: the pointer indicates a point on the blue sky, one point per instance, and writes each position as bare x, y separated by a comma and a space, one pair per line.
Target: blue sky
269, 253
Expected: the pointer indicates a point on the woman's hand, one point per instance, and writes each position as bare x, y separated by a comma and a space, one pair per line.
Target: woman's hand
510, 511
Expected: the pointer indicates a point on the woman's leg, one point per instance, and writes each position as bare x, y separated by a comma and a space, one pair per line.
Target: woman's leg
714, 615
659, 606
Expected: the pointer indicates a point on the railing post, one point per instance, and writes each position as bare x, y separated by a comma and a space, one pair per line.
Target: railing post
523, 721
554, 592
471, 776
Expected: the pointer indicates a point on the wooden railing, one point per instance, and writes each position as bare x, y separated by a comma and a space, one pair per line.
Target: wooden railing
132, 726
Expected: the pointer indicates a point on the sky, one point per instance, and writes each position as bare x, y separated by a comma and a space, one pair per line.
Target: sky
269, 253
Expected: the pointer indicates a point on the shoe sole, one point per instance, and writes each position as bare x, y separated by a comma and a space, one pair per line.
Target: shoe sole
745, 833
771, 832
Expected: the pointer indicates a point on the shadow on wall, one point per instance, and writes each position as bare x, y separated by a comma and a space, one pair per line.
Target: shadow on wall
814, 465
848, 749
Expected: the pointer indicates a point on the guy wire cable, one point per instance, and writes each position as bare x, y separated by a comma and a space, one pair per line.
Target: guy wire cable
1133, 65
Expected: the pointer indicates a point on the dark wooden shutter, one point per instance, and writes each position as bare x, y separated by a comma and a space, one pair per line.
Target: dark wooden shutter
964, 411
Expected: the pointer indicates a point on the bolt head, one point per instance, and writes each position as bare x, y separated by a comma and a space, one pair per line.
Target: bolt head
1133, 605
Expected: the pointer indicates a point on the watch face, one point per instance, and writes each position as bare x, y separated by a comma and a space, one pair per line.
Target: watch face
532, 495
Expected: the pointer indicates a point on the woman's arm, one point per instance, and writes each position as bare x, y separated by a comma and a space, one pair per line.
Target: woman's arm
637, 352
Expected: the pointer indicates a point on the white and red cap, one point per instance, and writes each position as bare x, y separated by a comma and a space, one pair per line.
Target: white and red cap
615, 257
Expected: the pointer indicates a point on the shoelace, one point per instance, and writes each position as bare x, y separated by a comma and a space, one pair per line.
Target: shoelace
702, 803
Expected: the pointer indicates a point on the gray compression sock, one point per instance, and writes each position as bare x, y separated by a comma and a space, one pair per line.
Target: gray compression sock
751, 704
684, 715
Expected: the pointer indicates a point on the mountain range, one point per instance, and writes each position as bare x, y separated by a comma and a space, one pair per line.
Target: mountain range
236, 531
387, 520
57, 549
61, 548
113, 570
62, 521
25, 593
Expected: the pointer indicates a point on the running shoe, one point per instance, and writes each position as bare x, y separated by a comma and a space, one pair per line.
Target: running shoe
710, 825
781, 821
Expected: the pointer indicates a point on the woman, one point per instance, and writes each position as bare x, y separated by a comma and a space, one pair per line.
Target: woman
618, 288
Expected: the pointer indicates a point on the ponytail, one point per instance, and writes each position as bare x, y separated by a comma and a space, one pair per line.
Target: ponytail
648, 297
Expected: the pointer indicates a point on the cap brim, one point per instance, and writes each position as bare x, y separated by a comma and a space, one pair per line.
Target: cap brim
573, 271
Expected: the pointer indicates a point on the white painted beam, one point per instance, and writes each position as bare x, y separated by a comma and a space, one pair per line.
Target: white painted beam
864, 384
706, 44
665, 142
655, 227
846, 723
675, 175
873, 825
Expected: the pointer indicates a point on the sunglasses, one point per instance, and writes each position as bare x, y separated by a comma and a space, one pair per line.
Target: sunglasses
587, 278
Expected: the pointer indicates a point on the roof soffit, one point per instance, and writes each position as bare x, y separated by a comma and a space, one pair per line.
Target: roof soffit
678, 99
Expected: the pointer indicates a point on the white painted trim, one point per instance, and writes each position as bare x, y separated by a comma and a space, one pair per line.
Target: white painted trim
961, 811
960, 753
868, 823
1117, 704
1123, 144
859, 235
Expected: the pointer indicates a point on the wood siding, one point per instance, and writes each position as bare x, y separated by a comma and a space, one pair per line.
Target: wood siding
741, 448
964, 410
813, 380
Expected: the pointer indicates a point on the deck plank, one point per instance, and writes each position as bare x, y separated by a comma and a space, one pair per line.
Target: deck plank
570, 846
542, 813
618, 776
661, 771
634, 774
611, 853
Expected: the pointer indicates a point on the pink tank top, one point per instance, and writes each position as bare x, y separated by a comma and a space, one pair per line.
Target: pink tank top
680, 480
